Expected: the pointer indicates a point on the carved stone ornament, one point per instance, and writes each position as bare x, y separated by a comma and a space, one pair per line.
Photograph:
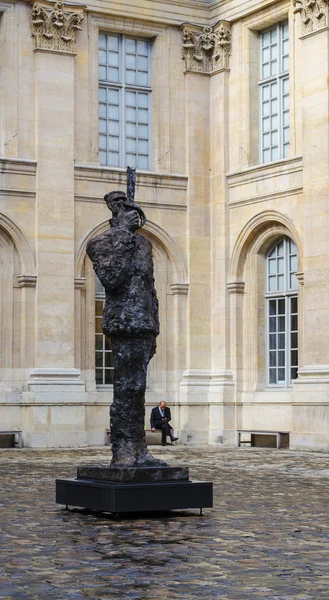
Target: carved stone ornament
54, 26
208, 49
314, 14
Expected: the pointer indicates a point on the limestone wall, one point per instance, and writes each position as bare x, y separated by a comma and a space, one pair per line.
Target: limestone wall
213, 212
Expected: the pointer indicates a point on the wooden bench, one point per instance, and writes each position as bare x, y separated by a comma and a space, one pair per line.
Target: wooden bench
281, 438
17, 435
153, 438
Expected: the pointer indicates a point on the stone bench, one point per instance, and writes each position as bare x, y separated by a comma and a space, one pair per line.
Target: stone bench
153, 438
261, 438
11, 439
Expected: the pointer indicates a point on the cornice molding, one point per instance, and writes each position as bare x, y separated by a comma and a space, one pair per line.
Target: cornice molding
206, 50
17, 166
314, 14
142, 203
54, 26
234, 10
128, 24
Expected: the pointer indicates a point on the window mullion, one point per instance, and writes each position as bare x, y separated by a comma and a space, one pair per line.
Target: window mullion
286, 287
103, 356
287, 328
280, 89
123, 103
123, 125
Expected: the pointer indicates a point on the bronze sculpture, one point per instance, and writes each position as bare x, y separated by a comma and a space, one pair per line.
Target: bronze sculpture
122, 259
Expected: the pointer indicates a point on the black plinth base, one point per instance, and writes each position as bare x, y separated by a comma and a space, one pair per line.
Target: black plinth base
132, 474
134, 497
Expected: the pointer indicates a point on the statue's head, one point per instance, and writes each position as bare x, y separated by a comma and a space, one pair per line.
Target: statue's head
124, 212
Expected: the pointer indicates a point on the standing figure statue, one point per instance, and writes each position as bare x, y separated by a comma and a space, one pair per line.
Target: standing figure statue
123, 263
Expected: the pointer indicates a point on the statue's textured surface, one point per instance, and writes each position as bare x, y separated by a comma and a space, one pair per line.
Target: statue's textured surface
123, 262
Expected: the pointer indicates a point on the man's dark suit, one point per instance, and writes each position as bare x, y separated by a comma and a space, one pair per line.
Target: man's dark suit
159, 422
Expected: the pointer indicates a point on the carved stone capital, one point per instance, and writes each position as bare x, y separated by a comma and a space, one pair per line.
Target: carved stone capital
235, 287
27, 281
207, 49
314, 14
179, 289
300, 278
80, 283
54, 26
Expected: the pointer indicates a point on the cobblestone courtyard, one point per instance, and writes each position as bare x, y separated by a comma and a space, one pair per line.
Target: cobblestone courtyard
267, 536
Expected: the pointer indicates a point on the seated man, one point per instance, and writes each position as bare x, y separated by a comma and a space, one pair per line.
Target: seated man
160, 417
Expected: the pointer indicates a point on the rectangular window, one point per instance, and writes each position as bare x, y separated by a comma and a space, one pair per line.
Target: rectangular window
103, 350
282, 340
282, 313
124, 101
274, 93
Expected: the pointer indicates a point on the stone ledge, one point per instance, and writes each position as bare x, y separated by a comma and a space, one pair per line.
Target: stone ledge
18, 166
53, 379
264, 171
119, 177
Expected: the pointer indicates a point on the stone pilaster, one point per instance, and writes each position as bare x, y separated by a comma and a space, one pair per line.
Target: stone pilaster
205, 383
222, 388
54, 378
198, 335
311, 389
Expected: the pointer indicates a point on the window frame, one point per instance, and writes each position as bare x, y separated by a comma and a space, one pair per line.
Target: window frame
100, 296
287, 294
123, 88
278, 78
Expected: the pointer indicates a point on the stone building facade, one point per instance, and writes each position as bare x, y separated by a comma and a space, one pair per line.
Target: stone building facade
223, 107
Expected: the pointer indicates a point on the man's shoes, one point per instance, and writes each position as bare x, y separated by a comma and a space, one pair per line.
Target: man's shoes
163, 444
173, 439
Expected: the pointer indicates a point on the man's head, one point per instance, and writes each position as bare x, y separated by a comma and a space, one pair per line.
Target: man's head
163, 404
115, 200
126, 213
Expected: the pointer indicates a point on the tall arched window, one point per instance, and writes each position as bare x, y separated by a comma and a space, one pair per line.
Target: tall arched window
103, 350
282, 313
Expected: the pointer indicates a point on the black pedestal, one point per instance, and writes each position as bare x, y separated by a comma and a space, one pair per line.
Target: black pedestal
109, 496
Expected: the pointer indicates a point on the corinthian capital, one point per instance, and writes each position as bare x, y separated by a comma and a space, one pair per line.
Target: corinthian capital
314, 14
207, 49
54, 26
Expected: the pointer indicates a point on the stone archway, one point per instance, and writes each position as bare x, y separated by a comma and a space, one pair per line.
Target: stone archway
247, 286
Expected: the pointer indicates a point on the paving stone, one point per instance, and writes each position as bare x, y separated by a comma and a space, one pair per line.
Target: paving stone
267, 536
